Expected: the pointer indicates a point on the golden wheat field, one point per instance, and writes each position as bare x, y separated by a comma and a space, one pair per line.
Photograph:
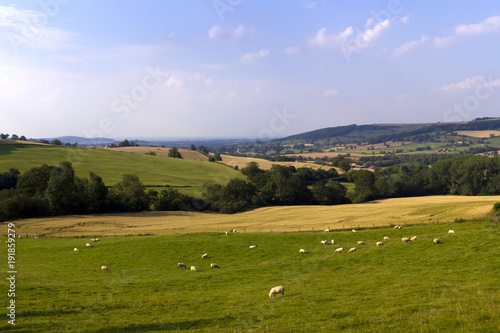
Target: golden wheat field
242, 162
479, 134
380, 213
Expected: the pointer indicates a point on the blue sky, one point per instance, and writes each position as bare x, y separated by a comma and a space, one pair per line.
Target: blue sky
243, 68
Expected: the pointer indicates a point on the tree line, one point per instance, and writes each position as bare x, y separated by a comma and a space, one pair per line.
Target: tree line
55, 190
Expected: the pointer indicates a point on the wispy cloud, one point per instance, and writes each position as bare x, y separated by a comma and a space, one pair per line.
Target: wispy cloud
227, 34
470, 83
347, 38
405, 19
490, 24
409, 46
29, 28
250, 58
291, 50
330, 92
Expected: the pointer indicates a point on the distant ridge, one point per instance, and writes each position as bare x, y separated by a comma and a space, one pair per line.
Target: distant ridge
81, 141
386, 132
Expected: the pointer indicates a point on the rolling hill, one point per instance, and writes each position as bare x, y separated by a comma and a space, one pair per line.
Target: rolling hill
111, 165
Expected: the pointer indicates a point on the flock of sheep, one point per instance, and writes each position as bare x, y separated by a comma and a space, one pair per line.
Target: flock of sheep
281, 289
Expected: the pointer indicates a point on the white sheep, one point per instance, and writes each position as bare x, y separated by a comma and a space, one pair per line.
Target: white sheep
194, 269
212, 265
339, 250
414, 238
92, 240
380, 243
88, 245
351, 250
76, 250
97, 239
451, 232
354, 230
181, 265
227, 233
436, 241
277, 290
105, 268
326, 230
324, 242
253, 246
333, 242
387, 238
204, 256
397, 227
234, 230
361, 243
302, 251
405, 240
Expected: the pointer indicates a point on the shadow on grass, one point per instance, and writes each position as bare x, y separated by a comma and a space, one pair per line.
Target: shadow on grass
175, 326
6, 149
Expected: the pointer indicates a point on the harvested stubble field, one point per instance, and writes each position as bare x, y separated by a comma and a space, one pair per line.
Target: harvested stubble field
242, 162
380, 213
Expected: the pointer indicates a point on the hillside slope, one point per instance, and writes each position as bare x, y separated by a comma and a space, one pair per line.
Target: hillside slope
111, 165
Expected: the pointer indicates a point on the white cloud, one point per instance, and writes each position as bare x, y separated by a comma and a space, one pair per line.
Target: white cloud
174, 81
407, 47
405, 19
469, 83
291, 50
346, 38
323, 40
444, 41
330, 92
249, 58
490, 24
219, 33
30, 29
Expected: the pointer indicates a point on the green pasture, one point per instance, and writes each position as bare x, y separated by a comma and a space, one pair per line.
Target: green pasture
416, 287
111, 165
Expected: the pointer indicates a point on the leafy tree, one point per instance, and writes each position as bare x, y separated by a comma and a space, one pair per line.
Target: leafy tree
9, 179
331, 193
14, 137
62, 190
96, 193
34, 181
4, 136
56, 142
130, 194
174, 152
193, 147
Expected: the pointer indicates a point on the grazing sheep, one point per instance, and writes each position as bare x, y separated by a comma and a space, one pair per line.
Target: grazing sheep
105, 268
194, 269
405, 240
253, 246
227, 233
212, 265
234, 230
436, 241
380, 243
324, 242
302, 251
88, 245
351, 250
451, 232
414, 238
92, 240
361, 243
76, 250
333, 242
277, 290
354, 230
204, 256
387, 238
181, 265
97, 239
339, 250
326, 230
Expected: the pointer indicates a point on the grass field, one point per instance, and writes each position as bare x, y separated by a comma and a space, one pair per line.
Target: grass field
242, 162
416, 287
111, 165
381, 213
